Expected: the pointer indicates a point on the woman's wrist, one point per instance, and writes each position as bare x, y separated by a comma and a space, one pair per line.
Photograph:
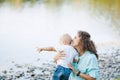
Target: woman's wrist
76, 72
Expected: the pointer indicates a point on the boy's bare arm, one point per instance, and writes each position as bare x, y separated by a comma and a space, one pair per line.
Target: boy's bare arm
46, 49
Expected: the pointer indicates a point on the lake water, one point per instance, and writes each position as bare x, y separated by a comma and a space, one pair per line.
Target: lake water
25, 25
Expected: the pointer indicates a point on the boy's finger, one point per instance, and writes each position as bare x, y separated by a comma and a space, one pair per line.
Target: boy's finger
61, 51
63, 55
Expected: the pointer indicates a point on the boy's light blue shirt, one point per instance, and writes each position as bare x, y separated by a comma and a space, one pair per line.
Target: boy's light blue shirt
87, 64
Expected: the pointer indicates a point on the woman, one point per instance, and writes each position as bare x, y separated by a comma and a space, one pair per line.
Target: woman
87, 66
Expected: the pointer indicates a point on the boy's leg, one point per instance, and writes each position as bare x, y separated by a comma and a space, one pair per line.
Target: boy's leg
55, 75
67, 72
64, 73
58, 73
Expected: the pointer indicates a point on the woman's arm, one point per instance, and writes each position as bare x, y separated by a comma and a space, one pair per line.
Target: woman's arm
84, 76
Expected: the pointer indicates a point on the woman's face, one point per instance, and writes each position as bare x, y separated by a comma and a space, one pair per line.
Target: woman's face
76, 41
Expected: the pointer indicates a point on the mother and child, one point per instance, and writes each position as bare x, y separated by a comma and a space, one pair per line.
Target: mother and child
76, 59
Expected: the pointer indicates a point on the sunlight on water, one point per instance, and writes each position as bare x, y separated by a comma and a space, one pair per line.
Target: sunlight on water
25, 25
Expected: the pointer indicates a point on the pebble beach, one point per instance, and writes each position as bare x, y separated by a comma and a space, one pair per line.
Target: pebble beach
109, 64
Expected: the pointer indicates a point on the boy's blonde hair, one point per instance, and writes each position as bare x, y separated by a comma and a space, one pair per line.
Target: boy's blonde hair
65, 39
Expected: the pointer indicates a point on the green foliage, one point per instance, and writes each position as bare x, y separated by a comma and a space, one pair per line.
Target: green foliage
118, 78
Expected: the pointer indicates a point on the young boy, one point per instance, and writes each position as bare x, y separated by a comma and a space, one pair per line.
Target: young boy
62, 71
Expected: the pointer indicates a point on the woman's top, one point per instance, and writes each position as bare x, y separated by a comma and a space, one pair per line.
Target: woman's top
88, 64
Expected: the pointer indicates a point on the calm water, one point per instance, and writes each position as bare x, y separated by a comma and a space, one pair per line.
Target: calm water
27, 24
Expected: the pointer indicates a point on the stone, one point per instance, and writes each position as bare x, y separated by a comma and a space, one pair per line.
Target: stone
4, 71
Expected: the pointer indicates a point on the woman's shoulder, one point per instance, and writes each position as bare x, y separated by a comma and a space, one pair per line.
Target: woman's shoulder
92, 59
90, 55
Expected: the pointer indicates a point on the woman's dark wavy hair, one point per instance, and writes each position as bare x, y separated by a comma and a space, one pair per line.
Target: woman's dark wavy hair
87, 43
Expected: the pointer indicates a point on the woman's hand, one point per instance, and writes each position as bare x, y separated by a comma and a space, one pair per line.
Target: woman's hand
84, 76
59, 55
70, 66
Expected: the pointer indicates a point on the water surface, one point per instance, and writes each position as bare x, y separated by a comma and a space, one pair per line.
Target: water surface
25, 25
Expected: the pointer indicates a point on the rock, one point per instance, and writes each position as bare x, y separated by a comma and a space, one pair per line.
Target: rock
4, 71
13, 62
19, 74
18, 66
109, 64
3, 77
32, 75
38, 59
30, 69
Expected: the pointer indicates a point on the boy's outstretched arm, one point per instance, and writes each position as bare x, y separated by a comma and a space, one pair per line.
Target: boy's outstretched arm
46, 49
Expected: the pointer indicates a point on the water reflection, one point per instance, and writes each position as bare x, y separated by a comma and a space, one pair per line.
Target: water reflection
27, 23
109, 9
